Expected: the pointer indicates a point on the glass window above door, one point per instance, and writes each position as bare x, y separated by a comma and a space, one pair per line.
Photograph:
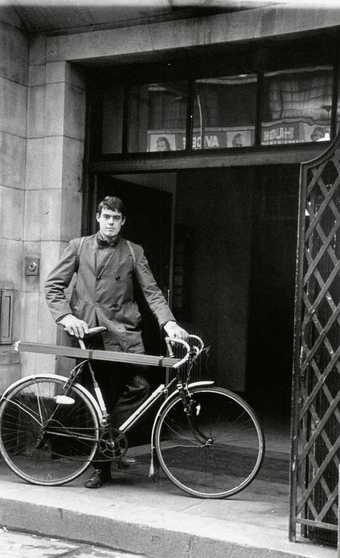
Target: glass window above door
290, 106
157, 115
297, 106
224, 112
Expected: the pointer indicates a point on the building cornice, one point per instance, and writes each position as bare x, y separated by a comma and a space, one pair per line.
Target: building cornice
236, 27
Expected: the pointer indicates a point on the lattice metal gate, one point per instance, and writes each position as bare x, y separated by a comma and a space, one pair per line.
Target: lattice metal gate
316, 372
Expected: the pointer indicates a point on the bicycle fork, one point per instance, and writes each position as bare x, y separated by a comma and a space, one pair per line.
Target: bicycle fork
192, 410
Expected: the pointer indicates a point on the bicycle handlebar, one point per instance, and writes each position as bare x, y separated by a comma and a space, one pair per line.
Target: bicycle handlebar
95, 330
195, 348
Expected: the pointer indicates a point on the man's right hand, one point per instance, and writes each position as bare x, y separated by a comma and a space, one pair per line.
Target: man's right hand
74, 326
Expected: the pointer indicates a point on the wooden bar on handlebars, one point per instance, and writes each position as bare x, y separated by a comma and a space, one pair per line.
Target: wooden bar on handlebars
113, 356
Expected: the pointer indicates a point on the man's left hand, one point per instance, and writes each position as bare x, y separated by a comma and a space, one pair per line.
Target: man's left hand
172, 329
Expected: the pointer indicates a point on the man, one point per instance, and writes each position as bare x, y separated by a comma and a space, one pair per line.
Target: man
106, 266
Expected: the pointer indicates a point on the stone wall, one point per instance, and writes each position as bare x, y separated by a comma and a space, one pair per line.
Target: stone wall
42, 130
13, 109
53, 202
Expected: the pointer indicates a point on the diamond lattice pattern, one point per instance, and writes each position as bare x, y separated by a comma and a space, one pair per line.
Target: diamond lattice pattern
319, 380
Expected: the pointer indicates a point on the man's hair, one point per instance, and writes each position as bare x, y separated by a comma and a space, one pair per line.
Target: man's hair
113, 203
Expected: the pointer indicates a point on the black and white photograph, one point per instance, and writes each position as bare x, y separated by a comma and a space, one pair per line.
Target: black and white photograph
169, 278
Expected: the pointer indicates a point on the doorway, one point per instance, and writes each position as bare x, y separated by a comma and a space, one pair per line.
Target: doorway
271, 290
149, 201
240, 226
222, 243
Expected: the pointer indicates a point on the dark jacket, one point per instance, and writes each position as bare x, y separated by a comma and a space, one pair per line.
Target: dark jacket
105, 296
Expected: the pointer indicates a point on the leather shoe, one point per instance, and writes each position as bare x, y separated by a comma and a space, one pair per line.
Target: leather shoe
97, 479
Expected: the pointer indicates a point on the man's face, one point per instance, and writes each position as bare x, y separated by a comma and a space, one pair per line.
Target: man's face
110, 222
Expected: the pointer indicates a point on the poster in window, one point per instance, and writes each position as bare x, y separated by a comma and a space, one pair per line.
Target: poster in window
162, 142
240, 137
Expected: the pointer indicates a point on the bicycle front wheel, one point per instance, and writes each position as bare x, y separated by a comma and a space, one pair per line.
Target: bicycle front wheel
46, 437
214, 450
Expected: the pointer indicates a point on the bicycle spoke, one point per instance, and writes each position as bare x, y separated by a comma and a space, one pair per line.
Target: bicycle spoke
37, 395
215, 452
25, 409
43, 441
180, 435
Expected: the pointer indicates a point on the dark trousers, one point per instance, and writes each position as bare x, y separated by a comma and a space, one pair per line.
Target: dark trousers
123, 386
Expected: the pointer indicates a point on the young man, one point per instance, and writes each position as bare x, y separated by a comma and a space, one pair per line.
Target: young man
103, 294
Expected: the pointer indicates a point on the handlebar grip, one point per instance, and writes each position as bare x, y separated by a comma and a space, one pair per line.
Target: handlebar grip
181, 342
197, 342
95, 330
91, 331
192, 350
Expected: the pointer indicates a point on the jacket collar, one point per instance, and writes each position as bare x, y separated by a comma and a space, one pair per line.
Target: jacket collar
104, 243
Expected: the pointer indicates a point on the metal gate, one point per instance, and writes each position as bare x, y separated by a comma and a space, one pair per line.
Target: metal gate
316, 371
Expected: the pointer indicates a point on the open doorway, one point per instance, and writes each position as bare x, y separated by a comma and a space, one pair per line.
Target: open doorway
222, 243
149, 201
236, 238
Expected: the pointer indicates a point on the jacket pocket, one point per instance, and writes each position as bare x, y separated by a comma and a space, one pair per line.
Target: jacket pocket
131, 315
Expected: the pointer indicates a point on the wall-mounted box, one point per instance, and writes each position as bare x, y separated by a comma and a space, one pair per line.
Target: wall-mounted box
32, 266
6, 316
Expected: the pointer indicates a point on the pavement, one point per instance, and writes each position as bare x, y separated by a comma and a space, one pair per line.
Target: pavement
136, 515
14, 544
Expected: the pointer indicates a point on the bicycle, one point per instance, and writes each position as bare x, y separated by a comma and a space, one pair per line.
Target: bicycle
207, 440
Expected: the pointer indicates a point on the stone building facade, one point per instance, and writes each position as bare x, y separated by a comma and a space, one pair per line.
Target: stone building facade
42, 143
42, 135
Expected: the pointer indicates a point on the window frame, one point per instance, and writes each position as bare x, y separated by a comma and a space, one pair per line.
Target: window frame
298, 71
165, 73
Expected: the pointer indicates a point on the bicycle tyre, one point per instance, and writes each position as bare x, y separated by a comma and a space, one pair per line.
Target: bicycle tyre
45, 440
218, 451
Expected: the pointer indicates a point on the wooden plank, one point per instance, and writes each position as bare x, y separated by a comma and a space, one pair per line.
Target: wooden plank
112, 356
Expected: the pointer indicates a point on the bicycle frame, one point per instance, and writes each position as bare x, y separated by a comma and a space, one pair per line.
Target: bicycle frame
162, 390
99, 403
157, 393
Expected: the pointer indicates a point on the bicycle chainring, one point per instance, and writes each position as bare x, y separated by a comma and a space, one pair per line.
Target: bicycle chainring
113, 447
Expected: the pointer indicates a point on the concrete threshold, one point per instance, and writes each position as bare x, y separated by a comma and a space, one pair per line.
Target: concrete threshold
135, 515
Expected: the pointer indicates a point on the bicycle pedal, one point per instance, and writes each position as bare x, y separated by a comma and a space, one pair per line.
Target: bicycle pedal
125, 462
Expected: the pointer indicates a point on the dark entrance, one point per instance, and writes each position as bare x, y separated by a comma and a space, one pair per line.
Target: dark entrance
271, 290
149, 223
237, 230
229, 264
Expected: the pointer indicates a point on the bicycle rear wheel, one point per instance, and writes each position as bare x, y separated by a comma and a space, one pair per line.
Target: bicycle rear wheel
46, 437
214, 451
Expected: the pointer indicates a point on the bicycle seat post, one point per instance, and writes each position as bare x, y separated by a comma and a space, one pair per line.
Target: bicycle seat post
81, 343
96, 387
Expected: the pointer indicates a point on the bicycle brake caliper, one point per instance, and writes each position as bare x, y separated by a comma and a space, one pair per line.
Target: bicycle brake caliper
191, 407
